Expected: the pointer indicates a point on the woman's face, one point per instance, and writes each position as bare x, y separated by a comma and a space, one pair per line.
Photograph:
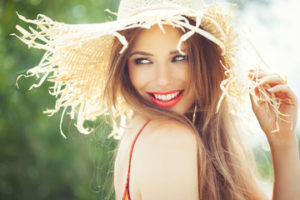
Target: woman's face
158, 71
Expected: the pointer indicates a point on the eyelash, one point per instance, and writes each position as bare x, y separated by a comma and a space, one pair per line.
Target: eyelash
182, 58
145, 61
140, 61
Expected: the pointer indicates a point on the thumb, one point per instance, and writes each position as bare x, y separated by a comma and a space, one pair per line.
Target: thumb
253, 103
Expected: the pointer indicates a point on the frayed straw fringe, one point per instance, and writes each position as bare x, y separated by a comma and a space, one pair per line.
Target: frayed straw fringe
76, 59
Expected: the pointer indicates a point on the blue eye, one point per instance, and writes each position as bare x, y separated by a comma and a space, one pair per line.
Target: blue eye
142, 61
179, 58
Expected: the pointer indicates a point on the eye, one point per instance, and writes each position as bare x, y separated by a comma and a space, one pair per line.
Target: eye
179, 58
142, 61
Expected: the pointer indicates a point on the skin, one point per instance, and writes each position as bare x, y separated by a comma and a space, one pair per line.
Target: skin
169, 149
164, 162
167, 146
155, 65
284, 143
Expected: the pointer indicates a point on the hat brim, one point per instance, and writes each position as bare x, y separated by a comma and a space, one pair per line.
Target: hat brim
77, 56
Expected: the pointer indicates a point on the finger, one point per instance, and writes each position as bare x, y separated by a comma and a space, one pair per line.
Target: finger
258, 74
271, 80
256, 91
253, 104
254, 74
256, 104
283, 91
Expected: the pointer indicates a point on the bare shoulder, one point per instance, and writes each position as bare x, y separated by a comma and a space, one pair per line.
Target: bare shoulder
171, 138
170, 128
169, 159
167, 136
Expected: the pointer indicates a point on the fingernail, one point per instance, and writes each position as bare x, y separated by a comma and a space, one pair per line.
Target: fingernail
270, 89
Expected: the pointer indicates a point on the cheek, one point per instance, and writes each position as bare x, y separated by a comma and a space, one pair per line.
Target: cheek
132, 76
184, 73
136, 77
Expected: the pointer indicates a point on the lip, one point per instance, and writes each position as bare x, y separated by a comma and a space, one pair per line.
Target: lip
169, 103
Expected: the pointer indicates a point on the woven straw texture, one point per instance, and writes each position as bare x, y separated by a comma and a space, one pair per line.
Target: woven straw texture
76, 57
128, 7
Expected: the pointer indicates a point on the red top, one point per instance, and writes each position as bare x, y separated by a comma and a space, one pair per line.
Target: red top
126, 195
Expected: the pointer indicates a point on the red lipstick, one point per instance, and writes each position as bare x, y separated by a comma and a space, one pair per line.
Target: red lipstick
161, 99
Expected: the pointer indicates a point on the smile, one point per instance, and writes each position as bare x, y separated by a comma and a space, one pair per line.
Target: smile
166, 99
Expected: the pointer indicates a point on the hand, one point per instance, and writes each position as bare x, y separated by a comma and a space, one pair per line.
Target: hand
275, 86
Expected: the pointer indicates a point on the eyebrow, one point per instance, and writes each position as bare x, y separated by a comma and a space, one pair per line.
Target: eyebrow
177, 52
143, 53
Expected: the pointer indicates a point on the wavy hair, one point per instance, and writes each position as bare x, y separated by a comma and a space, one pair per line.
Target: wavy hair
226, 167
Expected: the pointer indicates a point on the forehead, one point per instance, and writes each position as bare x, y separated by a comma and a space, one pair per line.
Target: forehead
157, 38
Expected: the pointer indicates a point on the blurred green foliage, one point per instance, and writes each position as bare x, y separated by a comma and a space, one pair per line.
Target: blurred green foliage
36, 162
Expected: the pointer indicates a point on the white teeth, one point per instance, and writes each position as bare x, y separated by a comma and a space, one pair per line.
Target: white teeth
166, 97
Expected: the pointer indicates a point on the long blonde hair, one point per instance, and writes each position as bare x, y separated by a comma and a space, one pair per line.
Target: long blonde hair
226, 168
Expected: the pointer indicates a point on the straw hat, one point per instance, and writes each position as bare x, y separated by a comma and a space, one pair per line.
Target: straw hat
76, 57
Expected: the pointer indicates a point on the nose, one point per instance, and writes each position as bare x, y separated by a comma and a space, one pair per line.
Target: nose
163, 74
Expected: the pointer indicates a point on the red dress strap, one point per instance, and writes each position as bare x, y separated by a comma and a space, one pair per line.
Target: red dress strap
126, 195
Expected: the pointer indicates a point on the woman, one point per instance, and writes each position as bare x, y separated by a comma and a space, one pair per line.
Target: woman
157, 77
170, 69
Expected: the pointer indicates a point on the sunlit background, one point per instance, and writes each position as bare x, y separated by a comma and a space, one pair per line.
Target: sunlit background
37, 163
